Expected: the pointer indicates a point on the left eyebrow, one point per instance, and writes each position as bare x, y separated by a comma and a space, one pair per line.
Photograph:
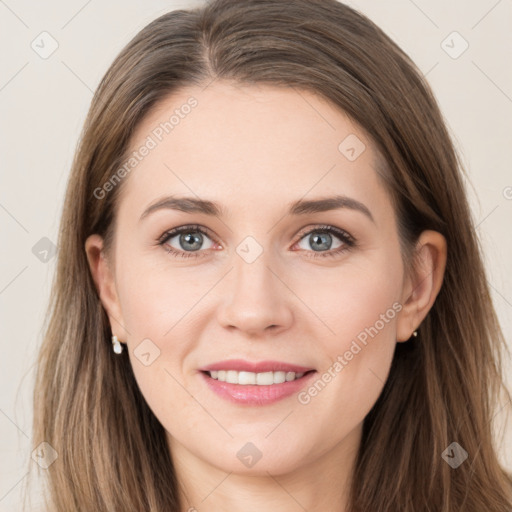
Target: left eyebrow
185, 204
300, 207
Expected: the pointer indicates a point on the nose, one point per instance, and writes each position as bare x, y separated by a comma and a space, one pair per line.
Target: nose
257, 300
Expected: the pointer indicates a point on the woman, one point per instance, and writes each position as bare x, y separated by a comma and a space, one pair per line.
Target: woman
327, 341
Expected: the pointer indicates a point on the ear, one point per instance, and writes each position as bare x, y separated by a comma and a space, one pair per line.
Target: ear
422, 286
104, 280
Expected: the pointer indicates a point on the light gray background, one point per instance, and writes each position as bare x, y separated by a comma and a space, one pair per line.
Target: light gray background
43, 103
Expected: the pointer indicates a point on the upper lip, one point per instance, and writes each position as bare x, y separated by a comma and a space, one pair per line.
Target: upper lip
256, 367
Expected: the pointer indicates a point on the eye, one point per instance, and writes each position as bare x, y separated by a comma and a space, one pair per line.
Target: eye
321, 237
189, 239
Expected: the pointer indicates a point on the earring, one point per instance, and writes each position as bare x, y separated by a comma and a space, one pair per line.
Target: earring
415, 334
116, 345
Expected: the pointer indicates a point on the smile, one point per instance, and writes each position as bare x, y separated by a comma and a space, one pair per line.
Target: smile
261, 383
258, 379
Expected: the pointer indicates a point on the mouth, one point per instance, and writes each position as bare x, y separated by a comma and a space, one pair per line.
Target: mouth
262, 383
244, 378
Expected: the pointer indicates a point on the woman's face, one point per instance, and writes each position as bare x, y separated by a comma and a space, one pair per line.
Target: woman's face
265, 294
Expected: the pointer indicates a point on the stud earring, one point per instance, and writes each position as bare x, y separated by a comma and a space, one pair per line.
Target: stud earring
415, 334
116, 345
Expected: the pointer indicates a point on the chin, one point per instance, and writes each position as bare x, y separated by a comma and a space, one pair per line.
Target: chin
258, 456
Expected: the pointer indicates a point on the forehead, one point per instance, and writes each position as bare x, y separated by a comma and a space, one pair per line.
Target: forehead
249, 145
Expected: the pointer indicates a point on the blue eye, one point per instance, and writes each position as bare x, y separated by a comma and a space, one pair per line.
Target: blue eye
191, 239
321, 236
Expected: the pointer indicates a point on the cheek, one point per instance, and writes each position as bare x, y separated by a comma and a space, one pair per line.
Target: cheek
365, 303
361, 308
155, 297
355, 301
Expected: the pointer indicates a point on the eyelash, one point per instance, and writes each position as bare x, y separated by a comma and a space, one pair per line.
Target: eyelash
348, 241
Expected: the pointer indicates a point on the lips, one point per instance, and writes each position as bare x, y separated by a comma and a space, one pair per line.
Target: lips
255, 383
239, 365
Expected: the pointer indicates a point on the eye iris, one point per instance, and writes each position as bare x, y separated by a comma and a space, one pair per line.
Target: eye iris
322, 245
188, 238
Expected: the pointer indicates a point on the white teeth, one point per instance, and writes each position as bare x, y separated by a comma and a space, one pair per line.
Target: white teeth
259, 379
232, 377
279, 377
246, 378
265, 379
290, 376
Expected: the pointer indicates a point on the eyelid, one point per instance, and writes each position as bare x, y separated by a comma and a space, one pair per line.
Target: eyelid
171, 233
329, 228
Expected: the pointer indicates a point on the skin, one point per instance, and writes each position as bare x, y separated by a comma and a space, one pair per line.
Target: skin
254, 150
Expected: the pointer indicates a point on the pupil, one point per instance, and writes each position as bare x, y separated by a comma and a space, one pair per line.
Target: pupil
325, 244
188, 238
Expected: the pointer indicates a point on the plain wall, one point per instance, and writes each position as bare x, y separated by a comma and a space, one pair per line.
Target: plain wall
43, 103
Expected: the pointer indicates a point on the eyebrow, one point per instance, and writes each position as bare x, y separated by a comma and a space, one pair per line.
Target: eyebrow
300, 207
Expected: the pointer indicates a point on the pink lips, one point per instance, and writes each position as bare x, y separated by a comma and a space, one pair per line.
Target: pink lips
253, 394
240, 365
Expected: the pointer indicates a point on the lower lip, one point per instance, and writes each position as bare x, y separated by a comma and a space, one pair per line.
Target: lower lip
256, 395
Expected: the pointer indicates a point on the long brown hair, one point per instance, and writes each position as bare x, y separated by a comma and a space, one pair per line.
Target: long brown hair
443, 388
